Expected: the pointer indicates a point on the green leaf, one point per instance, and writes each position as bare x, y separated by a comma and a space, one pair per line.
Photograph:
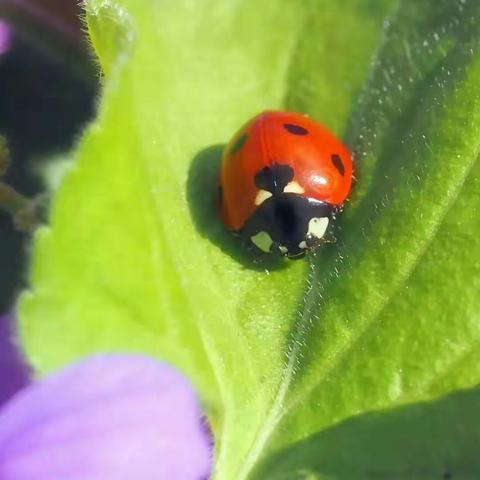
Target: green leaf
429, 441
391, 317
136, 259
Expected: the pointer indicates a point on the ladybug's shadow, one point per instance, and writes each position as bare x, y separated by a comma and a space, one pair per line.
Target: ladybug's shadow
202, 191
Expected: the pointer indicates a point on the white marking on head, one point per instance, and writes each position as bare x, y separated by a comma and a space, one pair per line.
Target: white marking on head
293, 187
283, 249
263, 241
317, 226
262, 195
303, 244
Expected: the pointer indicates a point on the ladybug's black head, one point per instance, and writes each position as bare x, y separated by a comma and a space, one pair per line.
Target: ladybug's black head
288, 223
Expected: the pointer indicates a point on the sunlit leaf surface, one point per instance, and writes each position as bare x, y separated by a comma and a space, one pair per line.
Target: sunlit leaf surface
136, 259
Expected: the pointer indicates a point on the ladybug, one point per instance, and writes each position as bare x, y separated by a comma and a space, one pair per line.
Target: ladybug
283, 178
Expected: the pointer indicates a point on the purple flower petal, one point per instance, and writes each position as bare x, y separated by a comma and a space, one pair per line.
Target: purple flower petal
14, 373
5, 38
112, 417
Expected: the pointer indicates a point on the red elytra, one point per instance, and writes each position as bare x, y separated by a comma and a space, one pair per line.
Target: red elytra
321, 166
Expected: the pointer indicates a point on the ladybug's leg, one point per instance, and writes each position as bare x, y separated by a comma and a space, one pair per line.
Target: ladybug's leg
336, 211
329, 237
279, 249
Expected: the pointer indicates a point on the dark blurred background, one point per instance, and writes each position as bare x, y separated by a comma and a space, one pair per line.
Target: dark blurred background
48, 87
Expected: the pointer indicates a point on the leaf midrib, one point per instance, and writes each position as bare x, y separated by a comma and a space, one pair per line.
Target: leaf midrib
279, 411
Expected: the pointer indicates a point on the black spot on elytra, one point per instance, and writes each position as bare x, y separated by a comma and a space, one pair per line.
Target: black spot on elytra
295, 129
274, 179
220, 194
237, 146
338, 164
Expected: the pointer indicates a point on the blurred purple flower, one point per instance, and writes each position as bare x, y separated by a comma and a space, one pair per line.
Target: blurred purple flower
114, 417
5, 38
14, 373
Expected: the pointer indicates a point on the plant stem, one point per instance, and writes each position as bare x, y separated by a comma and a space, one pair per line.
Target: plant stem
22, 209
